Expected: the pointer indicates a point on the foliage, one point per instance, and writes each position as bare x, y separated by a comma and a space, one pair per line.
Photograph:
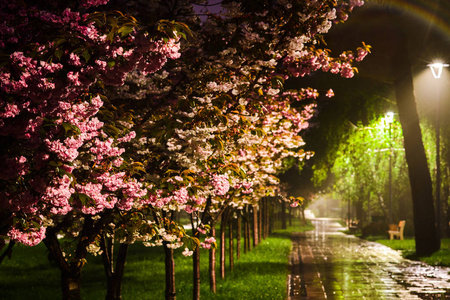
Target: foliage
362, 165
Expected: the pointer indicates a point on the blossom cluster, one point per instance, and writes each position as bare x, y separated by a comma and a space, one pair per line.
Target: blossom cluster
220, 184
64, 156
208, 243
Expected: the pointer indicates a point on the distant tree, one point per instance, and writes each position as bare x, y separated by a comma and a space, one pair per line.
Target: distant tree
362, 168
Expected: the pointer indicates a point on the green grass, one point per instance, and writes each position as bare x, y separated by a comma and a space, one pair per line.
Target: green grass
258, 274
408, 250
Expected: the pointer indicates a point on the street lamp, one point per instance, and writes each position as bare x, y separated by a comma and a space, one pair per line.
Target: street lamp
436, 70
390, 119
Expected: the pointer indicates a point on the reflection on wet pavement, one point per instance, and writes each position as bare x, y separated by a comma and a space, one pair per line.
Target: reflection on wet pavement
327, 264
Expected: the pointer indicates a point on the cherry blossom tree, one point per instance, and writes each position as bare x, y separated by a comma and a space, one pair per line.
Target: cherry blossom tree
65, 167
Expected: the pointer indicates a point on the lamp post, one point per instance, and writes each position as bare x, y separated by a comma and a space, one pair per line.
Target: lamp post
436, 70
390, 119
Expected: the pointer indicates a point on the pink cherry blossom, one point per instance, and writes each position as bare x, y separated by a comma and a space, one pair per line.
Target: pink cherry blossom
220, 184
187, 252
29, 238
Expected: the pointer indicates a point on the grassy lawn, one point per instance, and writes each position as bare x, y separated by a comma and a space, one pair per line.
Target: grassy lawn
408, 249
258, 274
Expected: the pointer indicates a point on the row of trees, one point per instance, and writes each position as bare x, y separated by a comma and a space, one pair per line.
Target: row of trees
111, 125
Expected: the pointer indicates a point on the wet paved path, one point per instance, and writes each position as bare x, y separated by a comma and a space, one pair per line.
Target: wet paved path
327, 264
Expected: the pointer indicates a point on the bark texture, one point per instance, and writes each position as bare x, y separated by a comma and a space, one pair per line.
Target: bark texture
114, 272
169, 261
426, 237
196, 273
212, 264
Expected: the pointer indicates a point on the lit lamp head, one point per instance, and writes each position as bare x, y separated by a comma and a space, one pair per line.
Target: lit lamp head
436, 69
389, 117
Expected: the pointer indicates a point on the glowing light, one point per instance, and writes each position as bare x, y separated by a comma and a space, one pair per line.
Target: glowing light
389, 117
436, 69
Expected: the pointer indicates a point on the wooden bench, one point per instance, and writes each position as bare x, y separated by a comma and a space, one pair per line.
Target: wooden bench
399, 232
352, 226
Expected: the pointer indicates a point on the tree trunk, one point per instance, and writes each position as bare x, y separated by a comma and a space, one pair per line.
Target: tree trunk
8, 251
266, 217
170, 272
262, 218
283, 214
273, 216
114, 275
427, 240
223, 225
71, 284
382, 206
196, 273
212, 263
70, 273
445, 209
255, 226
246, 235
238, 236
120, 270
231, 244
260, 222
303, 216
359, 212
290, 215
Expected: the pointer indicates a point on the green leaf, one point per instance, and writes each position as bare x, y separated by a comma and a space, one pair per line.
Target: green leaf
242, 172
111, 130
59, 41
63, 172
71, 129
86, 55
110, 36
277, 81
84, 199
138, 169
125, 30
59, 53
55, 163
170, 171
35, 224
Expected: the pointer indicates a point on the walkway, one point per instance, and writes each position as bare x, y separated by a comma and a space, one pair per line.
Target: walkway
327, 264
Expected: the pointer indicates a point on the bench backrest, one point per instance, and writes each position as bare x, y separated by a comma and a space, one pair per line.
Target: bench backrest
401, 225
